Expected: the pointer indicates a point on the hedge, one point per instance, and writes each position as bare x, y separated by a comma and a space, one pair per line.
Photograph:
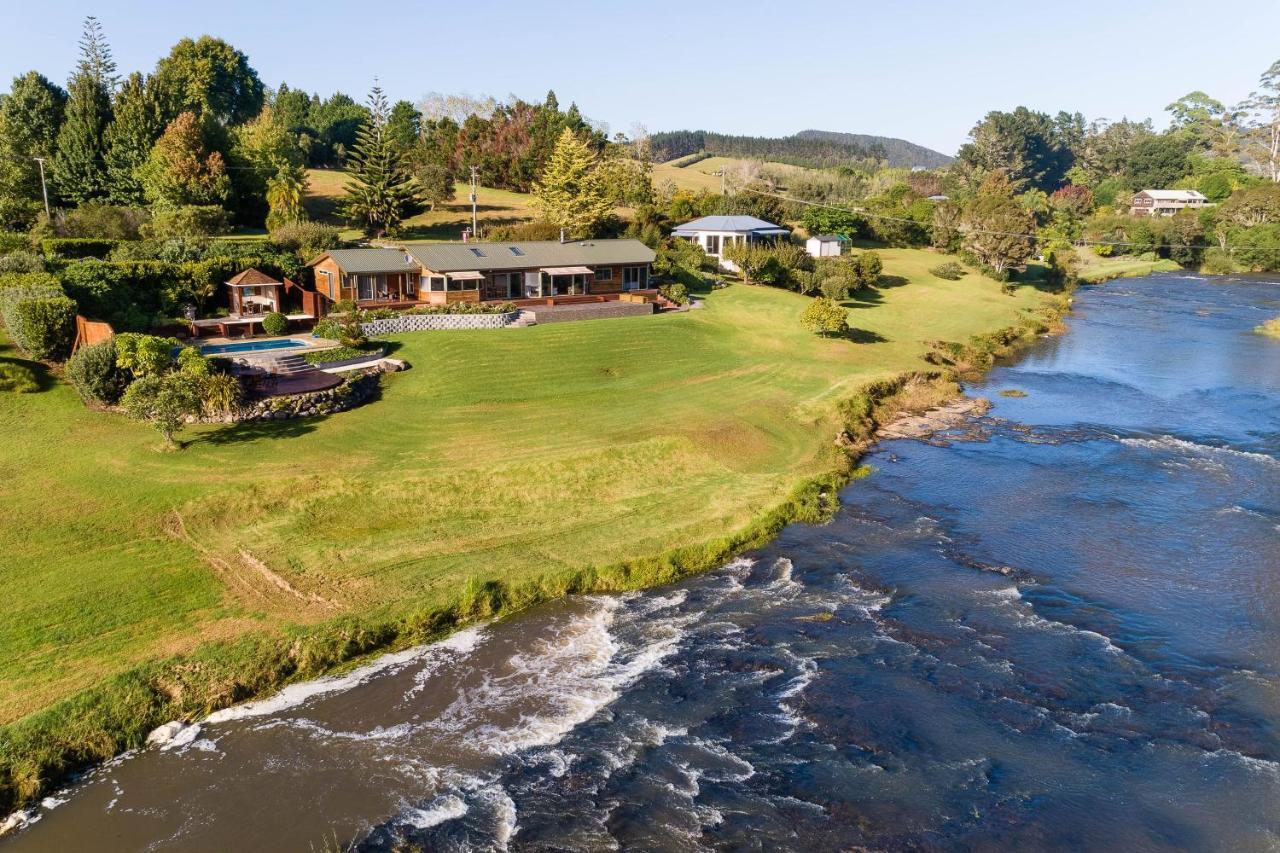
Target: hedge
13, 241
45, 327
75, 248
132, 294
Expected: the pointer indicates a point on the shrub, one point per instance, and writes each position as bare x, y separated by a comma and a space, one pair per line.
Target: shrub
835, 288
20, 261
94, 220
221, 394
275, 323
536, 230
193, 362
869, 268
327, 356
17, 378
459, 308
165, 402
1148, 256
12, 241
676, 292
194, 220
1218, 262
951, 271
328, 328
308, 239
95, 374
825, 317
76, 248
43, 326
144, 355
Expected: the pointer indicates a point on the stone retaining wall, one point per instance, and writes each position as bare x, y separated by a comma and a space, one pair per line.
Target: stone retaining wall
348, 395
437, 322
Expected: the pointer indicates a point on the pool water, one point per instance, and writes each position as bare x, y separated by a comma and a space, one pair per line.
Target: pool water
252, 346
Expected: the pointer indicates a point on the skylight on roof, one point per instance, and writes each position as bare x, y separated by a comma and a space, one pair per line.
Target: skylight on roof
516, 250
477, 252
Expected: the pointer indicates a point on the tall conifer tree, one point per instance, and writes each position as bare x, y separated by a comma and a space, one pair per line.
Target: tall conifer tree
79, 167
381, 190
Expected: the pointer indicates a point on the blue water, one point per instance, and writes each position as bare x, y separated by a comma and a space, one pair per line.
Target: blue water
251, 346
1055, 628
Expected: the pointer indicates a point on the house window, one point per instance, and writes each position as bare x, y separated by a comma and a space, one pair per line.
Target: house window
477, 252
713, 244
604, 273
437, 283
633, 278
410, 285
365, 288
517, 251
459, 284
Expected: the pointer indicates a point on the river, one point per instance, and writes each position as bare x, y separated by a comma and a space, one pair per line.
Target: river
1054, 628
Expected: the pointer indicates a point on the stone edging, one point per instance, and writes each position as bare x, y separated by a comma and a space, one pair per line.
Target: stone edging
436, 322
351, 393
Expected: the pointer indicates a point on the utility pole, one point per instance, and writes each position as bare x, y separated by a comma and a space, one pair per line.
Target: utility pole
474, 177
43, 189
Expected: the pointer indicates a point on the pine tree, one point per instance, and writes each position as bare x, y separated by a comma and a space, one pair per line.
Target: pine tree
135, 127
381, 190
79, 168
571, 192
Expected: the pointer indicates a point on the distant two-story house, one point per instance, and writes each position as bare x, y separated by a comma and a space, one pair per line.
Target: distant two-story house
715, 234
1165, 202
443, 273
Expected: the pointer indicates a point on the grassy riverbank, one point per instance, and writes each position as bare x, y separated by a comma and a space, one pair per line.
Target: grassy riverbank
1095, 269
504, 468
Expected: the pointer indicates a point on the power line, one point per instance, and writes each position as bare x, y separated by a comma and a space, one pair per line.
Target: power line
862, 211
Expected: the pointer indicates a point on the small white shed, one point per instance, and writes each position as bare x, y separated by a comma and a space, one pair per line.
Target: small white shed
825, 245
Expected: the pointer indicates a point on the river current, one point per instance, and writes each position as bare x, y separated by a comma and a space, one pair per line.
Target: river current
1057, 627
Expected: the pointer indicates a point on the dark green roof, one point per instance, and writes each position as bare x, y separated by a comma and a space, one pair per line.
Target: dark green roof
369, 260
457, 257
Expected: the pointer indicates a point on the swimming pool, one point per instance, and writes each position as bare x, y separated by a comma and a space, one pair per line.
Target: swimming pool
252, 346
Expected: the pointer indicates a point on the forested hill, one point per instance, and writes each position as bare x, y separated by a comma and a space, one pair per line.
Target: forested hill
899, 152
812, 148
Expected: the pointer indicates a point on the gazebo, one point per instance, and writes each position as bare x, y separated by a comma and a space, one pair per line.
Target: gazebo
254, 293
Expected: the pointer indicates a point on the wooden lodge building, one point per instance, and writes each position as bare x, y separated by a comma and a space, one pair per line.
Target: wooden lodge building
443, 273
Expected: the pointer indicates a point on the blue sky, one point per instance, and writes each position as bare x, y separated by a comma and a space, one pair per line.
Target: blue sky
922, 71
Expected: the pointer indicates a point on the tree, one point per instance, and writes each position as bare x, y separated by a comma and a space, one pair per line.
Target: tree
128, 140
1029, 146
285, 193
1262, 111
164, 401
1210, 126
995, 227
181, 170
79, 168
571, 192
825, 317
30, 118
268, 164
1155, 162
1251, 206
210, 78
404, 125
830, 220
381, 190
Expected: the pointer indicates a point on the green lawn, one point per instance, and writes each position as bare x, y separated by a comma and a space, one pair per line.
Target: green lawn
702, 174
445, 222
499, 454
1094, 269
